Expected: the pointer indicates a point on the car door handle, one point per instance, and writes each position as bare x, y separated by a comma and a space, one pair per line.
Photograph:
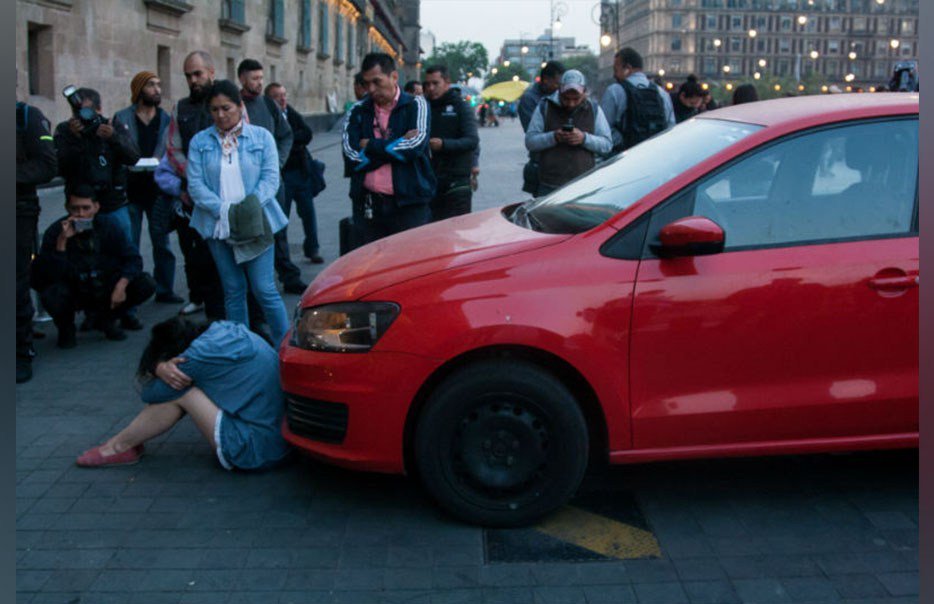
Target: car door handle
888, 284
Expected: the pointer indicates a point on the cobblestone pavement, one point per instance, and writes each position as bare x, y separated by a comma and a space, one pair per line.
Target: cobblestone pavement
176, 528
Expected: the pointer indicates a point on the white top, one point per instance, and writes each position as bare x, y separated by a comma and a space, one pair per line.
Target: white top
231, 192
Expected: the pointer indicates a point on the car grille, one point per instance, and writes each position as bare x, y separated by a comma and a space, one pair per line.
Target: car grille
316, 420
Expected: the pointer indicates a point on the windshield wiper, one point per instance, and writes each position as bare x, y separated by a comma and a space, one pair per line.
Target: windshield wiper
535, 223
521, 216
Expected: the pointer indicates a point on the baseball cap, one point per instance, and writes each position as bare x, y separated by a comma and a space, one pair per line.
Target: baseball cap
573, 80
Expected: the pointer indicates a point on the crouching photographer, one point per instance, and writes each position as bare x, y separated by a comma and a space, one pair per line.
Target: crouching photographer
88, 264
94, 151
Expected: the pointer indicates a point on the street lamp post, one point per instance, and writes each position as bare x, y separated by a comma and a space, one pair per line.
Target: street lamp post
608, 20
556, 11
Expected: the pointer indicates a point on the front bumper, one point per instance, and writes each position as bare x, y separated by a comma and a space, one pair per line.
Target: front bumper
377, 389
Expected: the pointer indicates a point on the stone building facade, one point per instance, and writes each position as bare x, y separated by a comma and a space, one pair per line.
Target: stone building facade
539, 50
312, 46
836, 42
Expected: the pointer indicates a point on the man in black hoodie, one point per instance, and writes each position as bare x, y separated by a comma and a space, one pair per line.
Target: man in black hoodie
453, 140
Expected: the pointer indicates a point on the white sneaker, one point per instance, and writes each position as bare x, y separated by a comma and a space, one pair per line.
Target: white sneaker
191, 308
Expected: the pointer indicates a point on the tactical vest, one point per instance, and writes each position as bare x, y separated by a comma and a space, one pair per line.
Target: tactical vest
563, 163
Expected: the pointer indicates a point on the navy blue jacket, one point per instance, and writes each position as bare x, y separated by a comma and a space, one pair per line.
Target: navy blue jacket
105, 248
413, 180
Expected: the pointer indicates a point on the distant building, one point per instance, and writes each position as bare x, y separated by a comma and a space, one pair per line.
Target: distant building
427, 41
539, 50
312, 46
735, 39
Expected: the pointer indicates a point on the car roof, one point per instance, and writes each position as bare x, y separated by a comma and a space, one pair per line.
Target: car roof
821, 107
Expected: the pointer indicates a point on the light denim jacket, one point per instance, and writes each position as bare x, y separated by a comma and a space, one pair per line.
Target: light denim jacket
259, 166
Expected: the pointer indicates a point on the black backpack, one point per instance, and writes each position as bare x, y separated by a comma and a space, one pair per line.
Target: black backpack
644, 116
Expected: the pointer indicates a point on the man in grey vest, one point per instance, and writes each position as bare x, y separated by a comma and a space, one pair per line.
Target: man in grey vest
569, 131
262, 111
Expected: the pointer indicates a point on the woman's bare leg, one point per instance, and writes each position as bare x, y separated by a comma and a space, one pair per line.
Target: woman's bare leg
152, 421
155, 419
202, 410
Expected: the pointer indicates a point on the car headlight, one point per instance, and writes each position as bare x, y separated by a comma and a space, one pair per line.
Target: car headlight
344, 327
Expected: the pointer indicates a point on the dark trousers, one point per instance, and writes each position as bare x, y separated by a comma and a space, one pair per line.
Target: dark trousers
285, 268
204, 284
386, 217
63, 299
298, 189
25, 246
159, 216
452, 199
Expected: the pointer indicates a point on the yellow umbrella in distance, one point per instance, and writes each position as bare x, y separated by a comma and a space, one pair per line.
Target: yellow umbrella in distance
507, 91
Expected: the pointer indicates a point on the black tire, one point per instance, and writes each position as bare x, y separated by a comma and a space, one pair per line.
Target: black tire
501, 443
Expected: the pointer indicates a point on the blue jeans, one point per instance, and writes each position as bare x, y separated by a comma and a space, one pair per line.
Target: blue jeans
298, 189
259, 272
120, 218
159, 216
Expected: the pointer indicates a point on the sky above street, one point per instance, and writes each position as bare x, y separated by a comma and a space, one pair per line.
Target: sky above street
492, 21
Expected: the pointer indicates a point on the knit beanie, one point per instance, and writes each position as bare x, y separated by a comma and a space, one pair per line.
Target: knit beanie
138, 83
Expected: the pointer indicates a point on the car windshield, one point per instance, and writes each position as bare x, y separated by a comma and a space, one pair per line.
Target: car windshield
618, 183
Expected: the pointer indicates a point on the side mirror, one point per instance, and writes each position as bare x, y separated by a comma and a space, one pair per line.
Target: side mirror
691, 236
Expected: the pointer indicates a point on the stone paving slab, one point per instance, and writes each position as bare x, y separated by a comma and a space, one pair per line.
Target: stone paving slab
178, 529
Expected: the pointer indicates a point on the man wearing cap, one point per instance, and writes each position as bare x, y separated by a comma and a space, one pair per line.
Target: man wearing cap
147, 124
568, 131
549, 78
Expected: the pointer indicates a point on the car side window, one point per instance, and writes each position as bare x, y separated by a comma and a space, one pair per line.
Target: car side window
847, 182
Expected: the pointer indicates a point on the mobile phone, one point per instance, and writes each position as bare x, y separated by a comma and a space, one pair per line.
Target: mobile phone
567, 128
83, 224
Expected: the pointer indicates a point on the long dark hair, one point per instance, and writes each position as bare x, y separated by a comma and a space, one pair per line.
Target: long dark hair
168, 340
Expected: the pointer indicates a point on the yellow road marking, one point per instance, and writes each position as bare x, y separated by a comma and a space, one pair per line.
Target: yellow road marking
600, 534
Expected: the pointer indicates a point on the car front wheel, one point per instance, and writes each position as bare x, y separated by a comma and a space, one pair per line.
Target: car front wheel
501, 443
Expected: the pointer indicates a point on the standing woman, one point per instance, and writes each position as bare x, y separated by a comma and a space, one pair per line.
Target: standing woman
233, 176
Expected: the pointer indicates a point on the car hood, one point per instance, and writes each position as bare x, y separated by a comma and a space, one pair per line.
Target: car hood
418, 252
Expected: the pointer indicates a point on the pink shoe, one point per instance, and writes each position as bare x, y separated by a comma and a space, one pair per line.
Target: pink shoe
92, 458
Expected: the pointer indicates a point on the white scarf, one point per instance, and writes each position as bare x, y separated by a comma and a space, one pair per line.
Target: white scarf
231, 179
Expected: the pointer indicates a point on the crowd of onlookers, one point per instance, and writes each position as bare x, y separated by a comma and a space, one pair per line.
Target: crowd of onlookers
222, 170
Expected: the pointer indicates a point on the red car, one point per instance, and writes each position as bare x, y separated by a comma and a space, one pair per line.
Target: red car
742, 284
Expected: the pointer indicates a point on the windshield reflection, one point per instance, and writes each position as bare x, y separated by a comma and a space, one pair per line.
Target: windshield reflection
621, 181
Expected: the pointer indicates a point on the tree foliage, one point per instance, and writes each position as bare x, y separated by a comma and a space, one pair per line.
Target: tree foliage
765, 87
504, 74
461, 58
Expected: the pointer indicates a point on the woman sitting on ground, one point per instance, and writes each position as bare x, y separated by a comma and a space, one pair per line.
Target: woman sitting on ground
221, 374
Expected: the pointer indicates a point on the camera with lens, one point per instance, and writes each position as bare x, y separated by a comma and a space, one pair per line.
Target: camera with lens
89, 117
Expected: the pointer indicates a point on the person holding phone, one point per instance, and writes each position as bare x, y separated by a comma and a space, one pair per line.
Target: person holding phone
88, 264
569, 132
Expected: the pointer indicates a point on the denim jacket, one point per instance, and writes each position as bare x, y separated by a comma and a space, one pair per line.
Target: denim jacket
259, 166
